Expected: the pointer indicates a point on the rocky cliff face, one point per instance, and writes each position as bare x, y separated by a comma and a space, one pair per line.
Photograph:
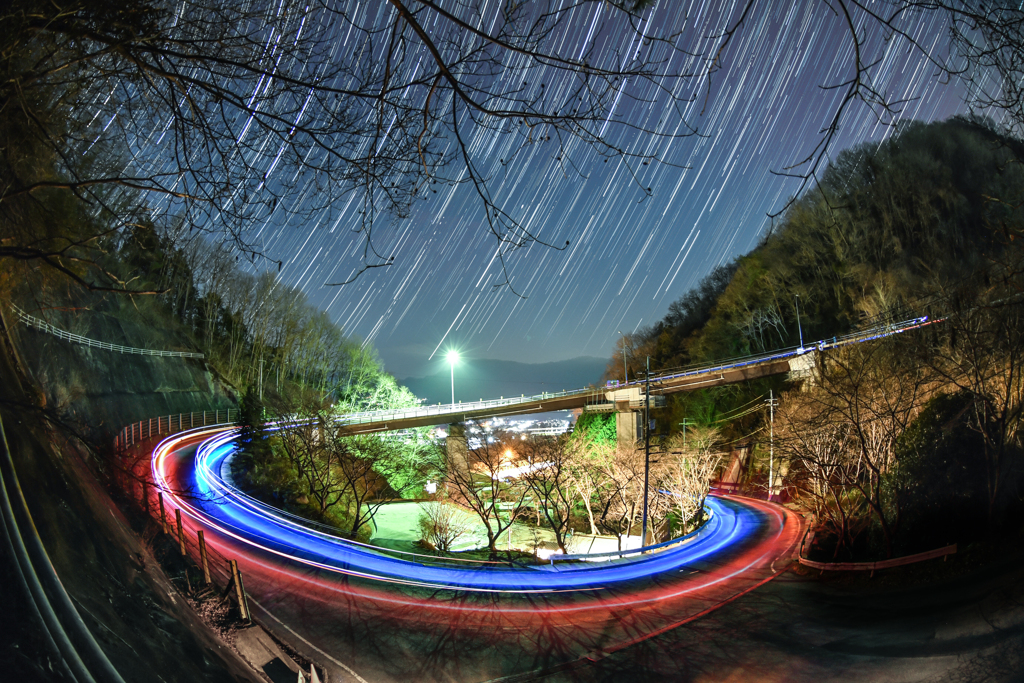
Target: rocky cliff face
137, 617
105, 390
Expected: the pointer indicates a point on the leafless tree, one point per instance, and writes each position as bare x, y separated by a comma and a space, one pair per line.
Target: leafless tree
987, 38
587, 465
763, 328
622, 497
366, 468
310, 449
443, 523
872, 392
480, 479
219, 112
549, 473
685, 473
980, 352
823, 465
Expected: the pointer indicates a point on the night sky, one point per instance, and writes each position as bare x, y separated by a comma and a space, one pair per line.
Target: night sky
629, 255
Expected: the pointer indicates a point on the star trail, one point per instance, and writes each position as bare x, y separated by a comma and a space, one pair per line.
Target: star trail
758, 110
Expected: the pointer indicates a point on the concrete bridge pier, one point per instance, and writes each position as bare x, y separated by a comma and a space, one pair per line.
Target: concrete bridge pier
628, 404
628, 429
456, 445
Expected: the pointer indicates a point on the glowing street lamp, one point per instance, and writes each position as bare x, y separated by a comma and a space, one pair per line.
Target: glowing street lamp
453, 358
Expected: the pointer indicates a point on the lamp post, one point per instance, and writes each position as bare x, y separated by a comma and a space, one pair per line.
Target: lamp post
453, 358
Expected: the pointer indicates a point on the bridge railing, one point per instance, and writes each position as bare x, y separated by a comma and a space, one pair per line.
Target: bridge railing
370, 416
873, 332
174, 423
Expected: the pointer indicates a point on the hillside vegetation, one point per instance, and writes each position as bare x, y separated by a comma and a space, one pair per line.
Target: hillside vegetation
890, 227
904, 444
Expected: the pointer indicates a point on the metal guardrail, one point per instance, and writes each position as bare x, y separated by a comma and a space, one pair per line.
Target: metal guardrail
881, 564
171, 424
865, 566
44, 326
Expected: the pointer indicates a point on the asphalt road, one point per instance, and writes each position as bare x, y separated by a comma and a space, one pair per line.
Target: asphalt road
735, 617
804, 629
381, 631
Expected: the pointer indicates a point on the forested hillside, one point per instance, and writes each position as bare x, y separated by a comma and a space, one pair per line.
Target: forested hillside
253, 325
903, 444
256, 332
889, 228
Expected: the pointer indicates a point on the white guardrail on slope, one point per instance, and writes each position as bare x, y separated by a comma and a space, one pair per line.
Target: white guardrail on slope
44, 326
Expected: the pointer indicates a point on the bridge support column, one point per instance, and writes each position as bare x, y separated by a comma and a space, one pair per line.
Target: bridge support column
457, 446
627, 429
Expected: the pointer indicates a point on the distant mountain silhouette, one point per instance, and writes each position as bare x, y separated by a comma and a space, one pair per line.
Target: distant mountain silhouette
486, 378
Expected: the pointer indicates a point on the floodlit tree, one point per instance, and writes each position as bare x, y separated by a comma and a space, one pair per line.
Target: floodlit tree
366, 468
587, 466
311, 449
253, 446
549, 473
872, 392
823, 465
685, 474
621, 498
443, 523
482, 479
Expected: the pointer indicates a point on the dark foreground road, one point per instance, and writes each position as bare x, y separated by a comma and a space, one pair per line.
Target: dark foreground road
801, 629
735, 618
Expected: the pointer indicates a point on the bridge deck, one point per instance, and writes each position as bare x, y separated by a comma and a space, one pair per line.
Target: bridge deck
684, 379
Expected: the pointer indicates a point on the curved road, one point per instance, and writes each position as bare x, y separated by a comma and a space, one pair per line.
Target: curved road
366, 616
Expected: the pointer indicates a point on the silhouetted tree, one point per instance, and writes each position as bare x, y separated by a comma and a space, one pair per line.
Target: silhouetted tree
252, 440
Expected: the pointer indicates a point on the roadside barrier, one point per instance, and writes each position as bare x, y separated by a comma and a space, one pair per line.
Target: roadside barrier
171, 424
211, 567
881, 564
44, 326
867, 566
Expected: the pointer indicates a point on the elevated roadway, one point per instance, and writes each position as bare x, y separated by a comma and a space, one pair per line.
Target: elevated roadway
623, 397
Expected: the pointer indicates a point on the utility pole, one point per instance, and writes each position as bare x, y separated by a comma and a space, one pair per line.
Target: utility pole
647, 449
771, 441
798, 326
261, 380
625, 373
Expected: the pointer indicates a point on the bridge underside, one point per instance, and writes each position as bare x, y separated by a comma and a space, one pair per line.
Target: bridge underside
625, 401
